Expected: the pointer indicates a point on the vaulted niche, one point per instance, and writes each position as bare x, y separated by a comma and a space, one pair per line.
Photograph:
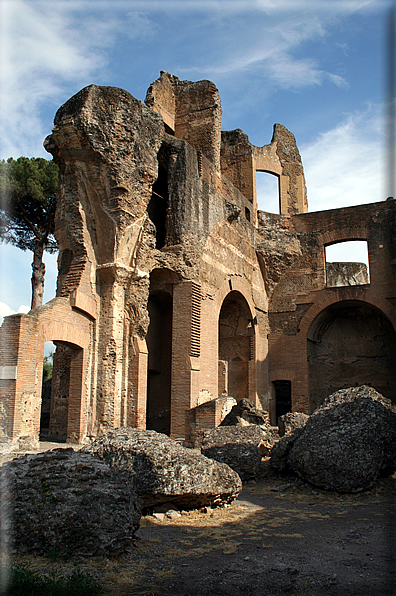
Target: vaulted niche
158, 206
159, 344
349, 344
267, 192
347, 264
236, 340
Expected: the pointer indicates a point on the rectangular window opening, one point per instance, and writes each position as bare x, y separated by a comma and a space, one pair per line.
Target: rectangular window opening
347, 264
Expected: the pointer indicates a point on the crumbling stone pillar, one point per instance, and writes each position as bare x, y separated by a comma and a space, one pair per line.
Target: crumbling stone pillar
112, 364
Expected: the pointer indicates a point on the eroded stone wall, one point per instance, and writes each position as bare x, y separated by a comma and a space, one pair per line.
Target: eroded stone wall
172, 289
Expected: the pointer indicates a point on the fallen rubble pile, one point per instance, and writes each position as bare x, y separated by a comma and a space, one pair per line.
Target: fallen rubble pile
240, 447
346, 443
245, 413
161, 470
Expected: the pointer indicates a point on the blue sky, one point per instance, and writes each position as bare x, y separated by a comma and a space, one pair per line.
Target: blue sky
316, 66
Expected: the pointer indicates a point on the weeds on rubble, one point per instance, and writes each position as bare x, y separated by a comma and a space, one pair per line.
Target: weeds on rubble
22, 580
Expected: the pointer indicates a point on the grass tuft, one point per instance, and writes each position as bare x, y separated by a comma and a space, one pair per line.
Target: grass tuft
23, 580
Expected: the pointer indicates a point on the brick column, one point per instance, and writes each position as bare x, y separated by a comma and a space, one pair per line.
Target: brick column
185, 353
22, 376
137, 387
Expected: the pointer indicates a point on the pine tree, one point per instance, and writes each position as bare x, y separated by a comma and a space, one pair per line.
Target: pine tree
27, 208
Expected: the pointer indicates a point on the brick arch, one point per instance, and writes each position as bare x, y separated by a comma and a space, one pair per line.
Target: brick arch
237, 284
344, 235
350, 342
237, 353
57, 321
353, 294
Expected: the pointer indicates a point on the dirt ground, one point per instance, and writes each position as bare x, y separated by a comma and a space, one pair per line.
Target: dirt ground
280, 537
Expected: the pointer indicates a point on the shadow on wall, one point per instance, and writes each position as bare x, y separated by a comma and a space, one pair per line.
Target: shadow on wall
350, 344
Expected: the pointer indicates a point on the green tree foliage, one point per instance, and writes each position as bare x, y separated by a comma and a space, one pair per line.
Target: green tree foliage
27, 209
48, 366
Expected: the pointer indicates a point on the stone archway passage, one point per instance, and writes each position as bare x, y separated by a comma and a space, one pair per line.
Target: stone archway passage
351, 344
66, 388
236, 333
159, 344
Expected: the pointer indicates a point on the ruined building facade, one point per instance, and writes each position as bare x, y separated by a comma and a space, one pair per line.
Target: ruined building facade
174, 293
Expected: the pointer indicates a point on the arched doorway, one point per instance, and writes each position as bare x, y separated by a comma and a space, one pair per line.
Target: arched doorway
236, 345
64, 409
351, 343
159, 345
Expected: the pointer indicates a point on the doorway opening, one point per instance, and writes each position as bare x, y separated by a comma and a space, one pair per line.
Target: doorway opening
159, 345
48, 363
283, 399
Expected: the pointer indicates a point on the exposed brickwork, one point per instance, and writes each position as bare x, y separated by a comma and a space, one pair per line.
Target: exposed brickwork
173, 291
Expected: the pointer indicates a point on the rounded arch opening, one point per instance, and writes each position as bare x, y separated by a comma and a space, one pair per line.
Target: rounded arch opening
159, 345
350, 343
236, 347
60, 416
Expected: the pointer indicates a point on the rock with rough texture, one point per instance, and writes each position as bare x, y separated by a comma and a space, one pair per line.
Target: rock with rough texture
280, 451
245, 412
162, 470
290, 421
240, 447
64, 502
347, 442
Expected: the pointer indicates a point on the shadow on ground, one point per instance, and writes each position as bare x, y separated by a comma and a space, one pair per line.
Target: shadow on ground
279, 537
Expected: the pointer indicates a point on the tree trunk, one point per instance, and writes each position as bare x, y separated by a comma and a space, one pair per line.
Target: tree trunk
38, 274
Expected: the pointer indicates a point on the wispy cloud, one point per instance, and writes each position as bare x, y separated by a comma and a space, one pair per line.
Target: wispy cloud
344, 166
47, 48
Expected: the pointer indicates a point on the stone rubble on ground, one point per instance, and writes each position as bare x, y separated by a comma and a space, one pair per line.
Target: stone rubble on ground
290, 421
240, 447
66, 502
347, 443
162, 470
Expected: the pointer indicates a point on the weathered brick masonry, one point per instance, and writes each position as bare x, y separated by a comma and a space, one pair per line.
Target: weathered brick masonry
174, 293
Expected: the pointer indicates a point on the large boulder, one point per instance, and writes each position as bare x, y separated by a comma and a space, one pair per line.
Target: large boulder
347, 442
245, 413
240, 447
65, 502
162, 470
281, 449
290, 421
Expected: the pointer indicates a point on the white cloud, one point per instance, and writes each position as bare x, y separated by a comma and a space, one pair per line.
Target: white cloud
5, 310
47, 48
344, 166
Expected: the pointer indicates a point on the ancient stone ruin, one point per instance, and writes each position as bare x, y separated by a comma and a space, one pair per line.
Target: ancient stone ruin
175, 296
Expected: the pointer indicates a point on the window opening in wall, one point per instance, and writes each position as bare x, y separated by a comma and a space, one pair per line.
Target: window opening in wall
267, 191
247, 213
48, 363
347, 264
158, 206
282, 398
